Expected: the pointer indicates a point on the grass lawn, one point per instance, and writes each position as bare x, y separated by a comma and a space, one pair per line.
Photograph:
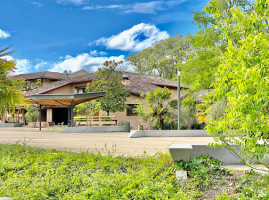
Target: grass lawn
30, 173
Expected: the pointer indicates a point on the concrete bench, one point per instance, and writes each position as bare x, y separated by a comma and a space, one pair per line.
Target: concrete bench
168, 133
186, 151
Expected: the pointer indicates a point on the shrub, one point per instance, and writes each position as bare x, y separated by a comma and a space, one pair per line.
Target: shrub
32, 113
29, 173
203, 170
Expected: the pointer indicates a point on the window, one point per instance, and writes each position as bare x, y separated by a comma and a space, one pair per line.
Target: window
130, 110
81, 91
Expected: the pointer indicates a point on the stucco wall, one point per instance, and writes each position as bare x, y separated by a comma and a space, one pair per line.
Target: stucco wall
68, 89
77, 84
134, 120
122, 116
174, 94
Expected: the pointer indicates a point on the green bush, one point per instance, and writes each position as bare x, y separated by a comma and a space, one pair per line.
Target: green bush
32, 113
203, 170
187, 116
29, 173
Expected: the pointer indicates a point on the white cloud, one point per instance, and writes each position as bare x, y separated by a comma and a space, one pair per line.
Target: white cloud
40, 65
147, 7
4, 34
83, 61
97, 53
150, 7
137, 38
24, 66
72, 2
37, 4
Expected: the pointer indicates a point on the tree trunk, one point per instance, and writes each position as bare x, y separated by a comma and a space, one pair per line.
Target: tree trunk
161, 123
107, 113
87, 124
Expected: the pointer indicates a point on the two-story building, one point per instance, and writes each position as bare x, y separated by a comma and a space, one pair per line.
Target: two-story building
75, 83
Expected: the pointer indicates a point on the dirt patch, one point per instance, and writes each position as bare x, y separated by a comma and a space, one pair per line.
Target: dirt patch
228, 186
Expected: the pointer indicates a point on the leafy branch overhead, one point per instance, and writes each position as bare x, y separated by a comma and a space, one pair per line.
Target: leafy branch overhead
10, 96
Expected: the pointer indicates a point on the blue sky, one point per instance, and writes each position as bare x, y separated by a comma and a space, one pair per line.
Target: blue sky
81, 34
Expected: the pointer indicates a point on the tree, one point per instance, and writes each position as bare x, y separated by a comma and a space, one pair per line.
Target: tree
160, 59
10, 96
242, 80
109, 80
154, 106
88, 108
32, 113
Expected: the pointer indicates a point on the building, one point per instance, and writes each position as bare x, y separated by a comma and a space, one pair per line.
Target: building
75, 83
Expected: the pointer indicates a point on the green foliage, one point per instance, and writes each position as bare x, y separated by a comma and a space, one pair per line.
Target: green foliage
110, 82
254, 186
251, 186
28, 85
161, 58
242, 79
154, 106
203, 170
32, 113
88, 108
201, 61
187, 116
29, 173
9, 93
210, 108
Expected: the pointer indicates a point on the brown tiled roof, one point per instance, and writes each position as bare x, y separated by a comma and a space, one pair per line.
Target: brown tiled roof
138, 83
39, 75
49, 87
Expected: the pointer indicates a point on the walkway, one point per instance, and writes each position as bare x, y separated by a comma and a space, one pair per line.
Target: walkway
119, 143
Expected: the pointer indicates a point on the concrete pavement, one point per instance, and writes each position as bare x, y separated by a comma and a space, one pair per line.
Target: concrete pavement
118, 143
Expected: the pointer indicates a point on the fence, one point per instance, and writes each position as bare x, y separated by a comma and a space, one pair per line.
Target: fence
96, 121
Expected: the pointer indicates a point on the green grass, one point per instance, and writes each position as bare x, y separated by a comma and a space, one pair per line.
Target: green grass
29, 173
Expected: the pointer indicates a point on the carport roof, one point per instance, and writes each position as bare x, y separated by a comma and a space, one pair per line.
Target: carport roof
62, 99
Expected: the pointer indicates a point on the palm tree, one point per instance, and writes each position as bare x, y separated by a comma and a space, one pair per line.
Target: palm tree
10, 96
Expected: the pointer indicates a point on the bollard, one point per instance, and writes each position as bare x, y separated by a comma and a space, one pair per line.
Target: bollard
126, 126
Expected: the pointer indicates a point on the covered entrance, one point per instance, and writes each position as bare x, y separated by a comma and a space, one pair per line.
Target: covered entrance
67, 100
60, 115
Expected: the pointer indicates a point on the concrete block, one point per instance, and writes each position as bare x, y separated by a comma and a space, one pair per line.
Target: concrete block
11, 124
168, 133
181, 175
97, 129
222, 154
181, 152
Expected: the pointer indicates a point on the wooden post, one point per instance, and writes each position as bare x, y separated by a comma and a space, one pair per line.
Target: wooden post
68, 116
23, 116
72, 114
40, 106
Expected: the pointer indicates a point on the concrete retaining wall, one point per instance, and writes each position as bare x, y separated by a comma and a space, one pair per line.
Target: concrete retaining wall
11, 124
186, 151
168, 133
94, 129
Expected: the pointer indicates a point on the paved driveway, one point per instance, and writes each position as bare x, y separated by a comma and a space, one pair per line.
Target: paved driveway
119, 143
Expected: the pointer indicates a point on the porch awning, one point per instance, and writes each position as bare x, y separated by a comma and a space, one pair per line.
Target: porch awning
62, 99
